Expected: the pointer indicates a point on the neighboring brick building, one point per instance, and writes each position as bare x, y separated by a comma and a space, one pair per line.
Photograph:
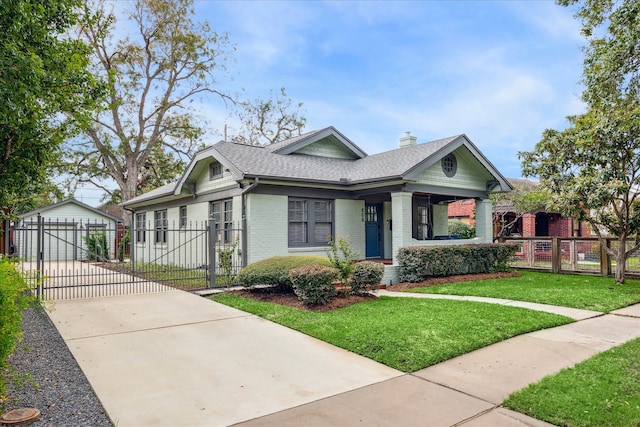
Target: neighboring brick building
463, 210
534, 224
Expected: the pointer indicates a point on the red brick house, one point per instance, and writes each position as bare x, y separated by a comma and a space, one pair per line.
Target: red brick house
535, 224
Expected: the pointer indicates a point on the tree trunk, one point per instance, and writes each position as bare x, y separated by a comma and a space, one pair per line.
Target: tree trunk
621, 260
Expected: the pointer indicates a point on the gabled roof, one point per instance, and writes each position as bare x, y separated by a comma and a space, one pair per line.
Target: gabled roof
292, 145
288, 161
73, 202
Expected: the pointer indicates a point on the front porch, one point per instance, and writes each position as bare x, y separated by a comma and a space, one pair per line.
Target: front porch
405, 219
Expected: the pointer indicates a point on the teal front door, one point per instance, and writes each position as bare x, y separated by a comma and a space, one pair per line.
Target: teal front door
373, 230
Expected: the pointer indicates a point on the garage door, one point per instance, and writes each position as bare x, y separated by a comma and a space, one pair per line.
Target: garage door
61, 242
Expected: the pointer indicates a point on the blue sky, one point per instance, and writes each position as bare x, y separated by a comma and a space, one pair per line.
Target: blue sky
498, 71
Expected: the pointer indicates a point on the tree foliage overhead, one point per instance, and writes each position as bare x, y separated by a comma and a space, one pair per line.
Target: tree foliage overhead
146, 127
43, 74
592, 168
144, 130
612, 57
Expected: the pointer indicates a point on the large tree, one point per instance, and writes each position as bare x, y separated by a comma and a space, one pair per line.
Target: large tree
147, 127
43, 74
592, 168
143, 131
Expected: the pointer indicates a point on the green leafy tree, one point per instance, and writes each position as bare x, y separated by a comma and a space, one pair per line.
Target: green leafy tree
612, 56
43, 74
592, 172
592, 168
146, 127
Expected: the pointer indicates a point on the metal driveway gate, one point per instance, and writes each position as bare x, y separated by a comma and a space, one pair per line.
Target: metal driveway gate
65, 259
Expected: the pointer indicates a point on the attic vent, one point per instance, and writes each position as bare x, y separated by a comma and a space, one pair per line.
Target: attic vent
449, 165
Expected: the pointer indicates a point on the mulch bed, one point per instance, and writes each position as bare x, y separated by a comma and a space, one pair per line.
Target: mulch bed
342, 300
452, 279
292, 300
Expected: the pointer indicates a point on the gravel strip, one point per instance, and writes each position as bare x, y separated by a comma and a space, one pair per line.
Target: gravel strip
51, 380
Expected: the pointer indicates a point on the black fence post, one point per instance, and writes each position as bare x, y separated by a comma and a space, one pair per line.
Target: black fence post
212, 251
40, 255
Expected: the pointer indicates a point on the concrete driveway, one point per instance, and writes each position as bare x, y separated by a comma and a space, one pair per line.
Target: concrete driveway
174, 358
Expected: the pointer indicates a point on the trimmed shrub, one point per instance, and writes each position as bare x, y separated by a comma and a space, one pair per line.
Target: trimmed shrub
417, 263
366, 277
313, 284
14, 298
275, 271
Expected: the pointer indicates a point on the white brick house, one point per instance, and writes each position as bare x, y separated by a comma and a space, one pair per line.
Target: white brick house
290, 196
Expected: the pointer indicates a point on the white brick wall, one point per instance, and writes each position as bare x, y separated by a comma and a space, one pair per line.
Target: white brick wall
484, 227
349, 223
401, 213
267, 227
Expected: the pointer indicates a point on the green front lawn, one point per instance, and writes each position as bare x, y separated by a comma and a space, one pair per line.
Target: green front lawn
405, 333
584, 292
601, 391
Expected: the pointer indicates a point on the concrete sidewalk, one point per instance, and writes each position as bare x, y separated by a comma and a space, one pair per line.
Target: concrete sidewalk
574, 313
467, 390
174, 358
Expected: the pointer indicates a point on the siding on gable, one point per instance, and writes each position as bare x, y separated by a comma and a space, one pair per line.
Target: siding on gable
327, 148
469, 175
205, 185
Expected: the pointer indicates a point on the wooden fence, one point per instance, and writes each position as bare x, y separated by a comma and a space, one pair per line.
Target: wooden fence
569, 254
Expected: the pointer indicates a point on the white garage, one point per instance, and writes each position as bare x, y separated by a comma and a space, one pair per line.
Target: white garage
65, 228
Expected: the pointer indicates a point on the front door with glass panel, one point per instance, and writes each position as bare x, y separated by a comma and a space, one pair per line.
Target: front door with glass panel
373, 230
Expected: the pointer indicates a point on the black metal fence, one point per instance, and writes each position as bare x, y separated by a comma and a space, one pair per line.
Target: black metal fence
68, 258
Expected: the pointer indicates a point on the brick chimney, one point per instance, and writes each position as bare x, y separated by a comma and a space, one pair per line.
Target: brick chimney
407, 140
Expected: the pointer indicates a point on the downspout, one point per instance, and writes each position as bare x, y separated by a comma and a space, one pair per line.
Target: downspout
132, 236
255, 183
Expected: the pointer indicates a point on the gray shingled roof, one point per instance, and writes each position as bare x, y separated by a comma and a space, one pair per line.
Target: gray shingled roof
162, 191
271, 162
261, 161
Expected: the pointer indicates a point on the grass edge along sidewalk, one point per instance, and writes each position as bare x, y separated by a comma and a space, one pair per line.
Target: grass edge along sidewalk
567, 290
601, 391
407, 334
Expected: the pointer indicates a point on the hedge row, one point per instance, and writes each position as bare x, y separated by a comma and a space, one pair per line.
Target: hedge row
313, 284
311, 277
417, 263
14, 298
275, 270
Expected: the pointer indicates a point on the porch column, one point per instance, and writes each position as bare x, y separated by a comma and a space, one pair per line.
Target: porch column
484, 223
401, 225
